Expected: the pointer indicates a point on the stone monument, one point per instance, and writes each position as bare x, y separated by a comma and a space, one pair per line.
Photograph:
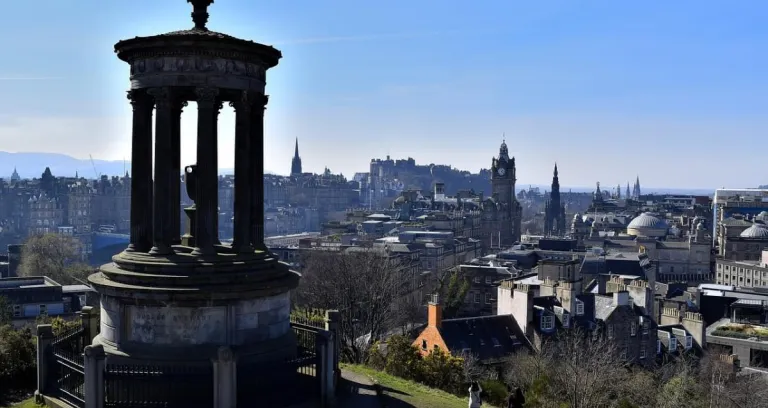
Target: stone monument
191, 298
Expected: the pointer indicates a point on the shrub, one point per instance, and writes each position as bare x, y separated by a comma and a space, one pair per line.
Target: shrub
494, 392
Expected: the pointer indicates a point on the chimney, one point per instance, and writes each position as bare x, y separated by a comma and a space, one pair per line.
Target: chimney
434, 312
621, 298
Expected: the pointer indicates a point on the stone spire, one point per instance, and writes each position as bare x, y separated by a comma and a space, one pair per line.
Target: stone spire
296, 161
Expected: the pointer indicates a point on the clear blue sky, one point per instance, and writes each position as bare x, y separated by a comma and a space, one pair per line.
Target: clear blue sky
673, 91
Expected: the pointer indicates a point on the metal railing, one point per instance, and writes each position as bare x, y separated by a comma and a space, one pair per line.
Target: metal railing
67, 372
165, 386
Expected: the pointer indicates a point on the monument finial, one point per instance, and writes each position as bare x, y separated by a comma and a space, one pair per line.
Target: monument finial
200, 13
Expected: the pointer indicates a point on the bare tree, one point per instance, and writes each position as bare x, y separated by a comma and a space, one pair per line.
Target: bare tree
364, 285
471, 367
55, 256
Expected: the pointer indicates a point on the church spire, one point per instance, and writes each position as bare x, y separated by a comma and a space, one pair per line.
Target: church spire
555, 169
296, 161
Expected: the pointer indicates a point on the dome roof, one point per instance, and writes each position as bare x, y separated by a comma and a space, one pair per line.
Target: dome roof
759, 231
647, 220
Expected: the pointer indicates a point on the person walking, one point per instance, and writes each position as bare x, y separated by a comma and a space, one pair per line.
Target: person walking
474, 395
515, 399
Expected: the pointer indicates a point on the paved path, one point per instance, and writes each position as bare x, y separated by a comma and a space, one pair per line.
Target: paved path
357, 391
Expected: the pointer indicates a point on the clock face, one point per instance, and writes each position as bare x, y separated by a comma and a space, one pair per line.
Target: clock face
502, 171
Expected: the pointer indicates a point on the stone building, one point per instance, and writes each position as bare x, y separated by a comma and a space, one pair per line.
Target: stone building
748, 245
502, 213
111, 204
44, 214
743, 273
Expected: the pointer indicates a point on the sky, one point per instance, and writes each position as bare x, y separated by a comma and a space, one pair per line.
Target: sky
675, 92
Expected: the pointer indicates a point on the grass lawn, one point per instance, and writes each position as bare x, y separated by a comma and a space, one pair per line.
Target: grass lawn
402, 393
30, 403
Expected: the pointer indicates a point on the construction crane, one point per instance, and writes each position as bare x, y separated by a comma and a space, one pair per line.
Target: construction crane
98, 175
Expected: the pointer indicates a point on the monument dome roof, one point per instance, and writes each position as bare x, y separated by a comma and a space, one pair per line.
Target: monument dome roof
759, 231
647, 220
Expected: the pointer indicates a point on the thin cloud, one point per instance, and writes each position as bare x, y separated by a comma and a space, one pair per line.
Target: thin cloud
372, 37
9, 78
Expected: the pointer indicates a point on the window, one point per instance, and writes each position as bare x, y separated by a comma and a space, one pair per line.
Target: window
487, 298
633, 329
642, 353
623, 354
476, 279
579, 308
495, 342
488, 280
423, 344
43, 309
16, 311
671, 269
477, 298
646, 325
547, 322
609, 330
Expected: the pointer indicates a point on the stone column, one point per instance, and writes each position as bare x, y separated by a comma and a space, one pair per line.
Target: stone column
44, 339
257, 173
224, 379
243, 182
332, 325
207, 186
90, 321
141, 171
216, 166
163, 210
176, 110
94, 376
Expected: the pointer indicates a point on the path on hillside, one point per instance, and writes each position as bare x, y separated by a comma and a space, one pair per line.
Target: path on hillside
357, 391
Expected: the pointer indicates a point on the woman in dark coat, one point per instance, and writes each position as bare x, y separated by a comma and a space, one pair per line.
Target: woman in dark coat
515, 399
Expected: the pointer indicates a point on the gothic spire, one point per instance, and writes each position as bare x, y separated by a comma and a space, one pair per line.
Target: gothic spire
555, 169
296, 150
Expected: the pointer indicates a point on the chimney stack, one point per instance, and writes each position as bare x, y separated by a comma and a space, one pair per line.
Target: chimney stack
434, 312
621, 298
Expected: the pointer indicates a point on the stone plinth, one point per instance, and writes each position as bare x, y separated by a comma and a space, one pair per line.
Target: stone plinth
187, 307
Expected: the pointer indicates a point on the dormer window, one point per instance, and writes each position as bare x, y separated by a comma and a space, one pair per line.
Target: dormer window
547, 322
579, 308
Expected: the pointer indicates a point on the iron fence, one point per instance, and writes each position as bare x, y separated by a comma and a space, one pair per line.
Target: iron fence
283, 383
67, 373
161, 386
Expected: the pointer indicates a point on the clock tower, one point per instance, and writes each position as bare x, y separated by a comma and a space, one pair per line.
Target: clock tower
504, 211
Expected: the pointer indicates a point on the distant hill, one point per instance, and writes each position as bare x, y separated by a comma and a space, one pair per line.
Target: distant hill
32, 165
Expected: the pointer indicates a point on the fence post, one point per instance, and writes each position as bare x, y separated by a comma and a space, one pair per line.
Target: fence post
321, 366
94, 376
90, 321
332, 323
224, 379
44, 336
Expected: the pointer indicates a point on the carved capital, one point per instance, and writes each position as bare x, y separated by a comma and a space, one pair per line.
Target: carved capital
139, 99
179, 105
162, 96
244, 103
207, 95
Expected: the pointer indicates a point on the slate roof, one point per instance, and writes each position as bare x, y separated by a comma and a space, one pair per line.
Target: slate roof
490, 338
735, 222
604, 306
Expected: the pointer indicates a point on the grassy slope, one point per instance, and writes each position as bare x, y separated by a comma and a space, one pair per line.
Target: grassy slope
30, 403
403, 393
